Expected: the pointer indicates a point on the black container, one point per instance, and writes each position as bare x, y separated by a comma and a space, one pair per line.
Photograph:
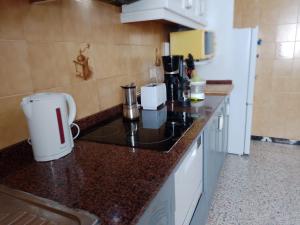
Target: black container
171, 64
173, 73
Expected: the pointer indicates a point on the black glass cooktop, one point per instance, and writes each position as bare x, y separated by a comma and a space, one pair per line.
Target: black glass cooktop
155, 130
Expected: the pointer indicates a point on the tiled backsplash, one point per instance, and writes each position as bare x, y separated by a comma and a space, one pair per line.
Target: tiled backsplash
277, 86
38, 43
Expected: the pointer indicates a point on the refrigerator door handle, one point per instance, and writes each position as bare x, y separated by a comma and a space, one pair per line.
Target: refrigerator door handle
220, 122
227, 110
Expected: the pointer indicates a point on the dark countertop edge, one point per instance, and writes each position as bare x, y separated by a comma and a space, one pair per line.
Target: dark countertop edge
219, 82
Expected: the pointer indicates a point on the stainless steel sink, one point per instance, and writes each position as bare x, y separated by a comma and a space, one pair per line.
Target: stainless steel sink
21, 208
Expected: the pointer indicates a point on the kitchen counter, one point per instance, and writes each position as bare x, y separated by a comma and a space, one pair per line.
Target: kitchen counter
218, 89
113, 182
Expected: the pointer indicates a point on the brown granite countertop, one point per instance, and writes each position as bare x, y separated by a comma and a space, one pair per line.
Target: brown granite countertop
113, 182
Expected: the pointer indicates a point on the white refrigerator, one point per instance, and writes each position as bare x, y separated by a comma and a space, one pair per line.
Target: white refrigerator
235, 59
244, 49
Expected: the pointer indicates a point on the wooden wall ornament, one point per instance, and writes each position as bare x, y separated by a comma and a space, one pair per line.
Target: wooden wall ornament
82, 64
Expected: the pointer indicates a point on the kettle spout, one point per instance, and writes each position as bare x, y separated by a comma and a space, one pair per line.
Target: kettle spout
27, 107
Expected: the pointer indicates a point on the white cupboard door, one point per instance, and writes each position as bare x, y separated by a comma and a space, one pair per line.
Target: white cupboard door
202, 10
188, 13
188, 185
161, 209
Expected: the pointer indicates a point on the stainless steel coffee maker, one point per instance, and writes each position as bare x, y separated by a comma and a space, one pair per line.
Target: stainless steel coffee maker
130, 106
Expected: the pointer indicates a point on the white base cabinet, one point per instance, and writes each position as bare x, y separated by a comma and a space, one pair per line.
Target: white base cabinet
161, 209
215, 142
188, 179
186, 196
176, 201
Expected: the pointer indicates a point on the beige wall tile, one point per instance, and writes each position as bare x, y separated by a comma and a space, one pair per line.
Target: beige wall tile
297, 50
76, 20
105, 56
135, 36
298, 33
63, 74
286, 32
112, 60
277, 85
264, 66
13, 125
285, 50
282, 67
262, 97
267, 32
267, 50
270, 11
104, 20
142, 57
42, 62
250, 12
86, 98
11, 18
51, 35
238, 10
286, 84
14, 69
110, 91
43, 22
262, 123
63, 89
51, 65
293, 123
121, 35
147, 32
285, 108
288, 11
296, 68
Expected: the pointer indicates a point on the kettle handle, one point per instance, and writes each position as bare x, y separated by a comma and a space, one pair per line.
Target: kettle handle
72, 108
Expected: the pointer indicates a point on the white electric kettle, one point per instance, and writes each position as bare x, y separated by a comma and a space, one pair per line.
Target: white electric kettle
50, 117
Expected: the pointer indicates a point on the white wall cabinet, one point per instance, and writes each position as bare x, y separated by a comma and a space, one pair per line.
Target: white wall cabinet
189, 13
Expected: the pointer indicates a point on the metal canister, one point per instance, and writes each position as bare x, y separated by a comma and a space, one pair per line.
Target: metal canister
130, 106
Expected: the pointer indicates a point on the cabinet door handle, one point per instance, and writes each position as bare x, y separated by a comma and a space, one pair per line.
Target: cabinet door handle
227, 109
202, 8
199, 142
220, 122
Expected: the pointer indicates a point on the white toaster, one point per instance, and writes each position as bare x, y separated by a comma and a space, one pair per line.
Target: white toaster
153, 95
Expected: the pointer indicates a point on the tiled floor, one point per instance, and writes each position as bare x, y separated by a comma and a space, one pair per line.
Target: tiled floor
260, 189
